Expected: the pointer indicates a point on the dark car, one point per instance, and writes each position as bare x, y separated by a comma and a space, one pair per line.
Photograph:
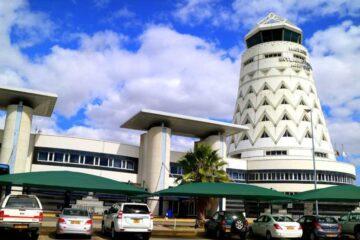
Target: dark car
226, 223
315, 227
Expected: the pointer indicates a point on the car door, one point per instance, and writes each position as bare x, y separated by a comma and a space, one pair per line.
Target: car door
352, 222
344, 222
212, 224
309, 225
267, 224
257, 225
107, 218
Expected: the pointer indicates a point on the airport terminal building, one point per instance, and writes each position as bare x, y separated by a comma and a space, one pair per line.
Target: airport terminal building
277, 119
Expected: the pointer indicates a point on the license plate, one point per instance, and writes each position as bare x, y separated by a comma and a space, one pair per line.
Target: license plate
290, 228
75, 222
136, 220
331, 235
21, 226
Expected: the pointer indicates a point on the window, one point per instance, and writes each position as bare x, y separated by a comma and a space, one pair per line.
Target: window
287, 134
321, 154
130, 165
59, 157
104, 162
74, 158
271, 55
264, 135
248, 106
247, 121
282, 86
265, 87
245, 137
299, 88
284, 101
89, 160
299, 57
305, 119
42, 156
273, 35
320, 122
276, 152
176, 169
251, 90
248, 61
285, 117
302, 103
265, 118
265, 103
323, 138
307, 135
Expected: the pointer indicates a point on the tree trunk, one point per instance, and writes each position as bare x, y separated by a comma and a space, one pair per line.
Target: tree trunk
201, 204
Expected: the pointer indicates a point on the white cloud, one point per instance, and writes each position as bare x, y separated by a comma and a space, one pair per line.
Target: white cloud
247, 13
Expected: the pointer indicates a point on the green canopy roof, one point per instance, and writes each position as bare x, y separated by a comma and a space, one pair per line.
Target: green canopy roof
230, 190
342, 193
74, 181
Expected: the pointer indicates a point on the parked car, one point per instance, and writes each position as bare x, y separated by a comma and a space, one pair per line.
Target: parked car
315, 227
132, 218
350, 224
21, 213
276, 226
226, 223
74, 221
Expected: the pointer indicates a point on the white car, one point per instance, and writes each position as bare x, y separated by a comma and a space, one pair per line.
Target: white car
133, 218
74, 221
276, 226
21, 213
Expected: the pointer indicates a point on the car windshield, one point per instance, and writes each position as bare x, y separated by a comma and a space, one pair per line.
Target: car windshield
283, 219
75, 212
233, 215
326, 220
133, 208
22, 202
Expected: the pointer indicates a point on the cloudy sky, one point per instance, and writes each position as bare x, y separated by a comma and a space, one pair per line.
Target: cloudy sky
107, 59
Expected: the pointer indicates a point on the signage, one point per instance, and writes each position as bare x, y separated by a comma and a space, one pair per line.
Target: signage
298, 50
297, 63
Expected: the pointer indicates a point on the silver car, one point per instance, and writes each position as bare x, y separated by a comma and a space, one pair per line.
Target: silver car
74, 221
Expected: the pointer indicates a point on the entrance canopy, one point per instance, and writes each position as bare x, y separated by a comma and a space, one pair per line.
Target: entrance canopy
228, 190
180, 124
342, 193
71, 181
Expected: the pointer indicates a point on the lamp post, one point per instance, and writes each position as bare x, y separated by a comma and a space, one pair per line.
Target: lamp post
313, 157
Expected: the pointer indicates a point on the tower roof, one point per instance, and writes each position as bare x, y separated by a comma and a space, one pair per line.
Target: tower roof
273, 21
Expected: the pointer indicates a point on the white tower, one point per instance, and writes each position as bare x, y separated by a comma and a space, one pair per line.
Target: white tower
276, 88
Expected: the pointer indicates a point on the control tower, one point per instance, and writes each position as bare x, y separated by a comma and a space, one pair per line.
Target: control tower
20, 106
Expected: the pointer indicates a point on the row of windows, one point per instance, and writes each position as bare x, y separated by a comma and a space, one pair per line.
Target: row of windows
266, 87
276, 153
321, 154
84, 158
248, 61
271, 55
236, 175
273, 35
299, 57
285, 117
300, 176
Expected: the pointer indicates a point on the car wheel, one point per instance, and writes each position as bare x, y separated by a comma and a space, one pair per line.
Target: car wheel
239, 225
146, 236
220, 234
268, 235
313, 236
357, 235
113, 232
34, 235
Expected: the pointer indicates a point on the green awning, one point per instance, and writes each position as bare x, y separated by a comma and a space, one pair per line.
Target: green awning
72, 181
342, 193
229, 190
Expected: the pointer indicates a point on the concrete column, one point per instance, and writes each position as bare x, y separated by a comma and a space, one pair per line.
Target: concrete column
16, 133
216, 142
156, 148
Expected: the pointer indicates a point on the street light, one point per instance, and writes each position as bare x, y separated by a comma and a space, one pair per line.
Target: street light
313, 156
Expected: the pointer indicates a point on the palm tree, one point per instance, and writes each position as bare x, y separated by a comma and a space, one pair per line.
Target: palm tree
203, 164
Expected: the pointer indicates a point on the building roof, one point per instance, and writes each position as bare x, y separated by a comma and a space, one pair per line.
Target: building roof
180, 124
272, 21
43, 103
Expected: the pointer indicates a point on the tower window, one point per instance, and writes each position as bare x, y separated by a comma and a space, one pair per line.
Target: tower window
265, 103
323, 137
282, 86
284, 101
271, 55
299, 57
250, 60
302, 102
287, 134
251, 90
299, 87
264, 135
320, 122
265, 118
321, 154
248, 106
307, 135
266, 87
305, 119
245, 137
247, 121
276, 153
285, 117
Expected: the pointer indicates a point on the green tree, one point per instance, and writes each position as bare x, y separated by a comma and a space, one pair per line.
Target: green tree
203, 164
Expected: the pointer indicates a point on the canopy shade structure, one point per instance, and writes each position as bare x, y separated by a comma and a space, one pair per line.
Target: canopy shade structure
342, 193
180, 124
230, 190
71, 181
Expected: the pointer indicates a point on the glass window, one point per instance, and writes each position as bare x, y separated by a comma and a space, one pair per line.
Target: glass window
75, 212
104, 161
136, 208
266, 35
89, 160
130, 165
42, 156
117, 163
59, 157
74, 158
277, 34
287, 35
21, 202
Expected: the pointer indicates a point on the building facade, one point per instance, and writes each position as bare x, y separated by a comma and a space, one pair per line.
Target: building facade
278, 101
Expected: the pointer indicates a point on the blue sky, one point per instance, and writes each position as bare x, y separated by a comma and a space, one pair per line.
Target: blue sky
106, 59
